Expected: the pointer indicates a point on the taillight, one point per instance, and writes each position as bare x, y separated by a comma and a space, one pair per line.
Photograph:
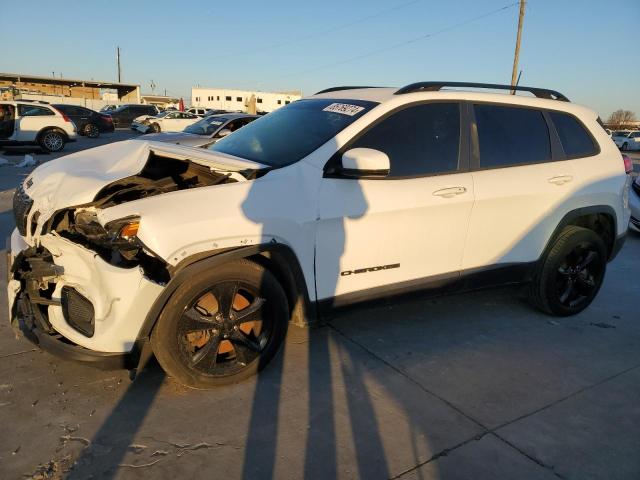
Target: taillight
66, 119
107, 118
628, 163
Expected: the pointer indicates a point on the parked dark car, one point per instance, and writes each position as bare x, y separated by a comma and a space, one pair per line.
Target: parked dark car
124, 114
88, 122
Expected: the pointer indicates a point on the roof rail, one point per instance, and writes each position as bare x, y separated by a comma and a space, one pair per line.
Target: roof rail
337, 89
436, 86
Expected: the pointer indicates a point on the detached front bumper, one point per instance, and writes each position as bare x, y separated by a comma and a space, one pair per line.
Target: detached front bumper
39, 282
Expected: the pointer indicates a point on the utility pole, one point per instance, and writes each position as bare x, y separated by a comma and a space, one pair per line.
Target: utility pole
516, 56
118, 60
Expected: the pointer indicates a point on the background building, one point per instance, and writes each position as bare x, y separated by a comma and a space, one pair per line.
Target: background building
87, 93
161, 101
225, 99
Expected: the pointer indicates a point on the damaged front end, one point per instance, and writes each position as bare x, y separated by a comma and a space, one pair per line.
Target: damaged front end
81, 288
116, 242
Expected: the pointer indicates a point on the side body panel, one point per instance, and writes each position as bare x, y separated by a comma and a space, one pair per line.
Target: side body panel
382, 232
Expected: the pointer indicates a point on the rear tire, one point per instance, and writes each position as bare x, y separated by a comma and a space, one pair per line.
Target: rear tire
221, 326
91, 130
571, 274
52, 140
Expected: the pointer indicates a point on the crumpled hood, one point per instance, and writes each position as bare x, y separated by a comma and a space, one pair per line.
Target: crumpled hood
76, 179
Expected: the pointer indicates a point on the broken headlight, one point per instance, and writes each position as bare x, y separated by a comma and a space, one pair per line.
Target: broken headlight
120, 234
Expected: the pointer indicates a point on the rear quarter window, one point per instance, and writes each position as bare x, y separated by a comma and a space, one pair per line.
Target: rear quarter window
576, 140
510, 136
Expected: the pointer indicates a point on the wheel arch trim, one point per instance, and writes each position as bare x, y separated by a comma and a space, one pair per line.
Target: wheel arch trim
303, 310
572, 215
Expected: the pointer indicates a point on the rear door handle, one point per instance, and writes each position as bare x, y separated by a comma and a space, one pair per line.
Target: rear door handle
450, 192
560, 179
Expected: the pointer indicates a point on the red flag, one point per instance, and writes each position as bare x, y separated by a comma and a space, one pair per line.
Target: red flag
181, 105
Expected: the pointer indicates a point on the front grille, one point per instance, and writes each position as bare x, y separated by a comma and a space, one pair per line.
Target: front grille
78, 311
635, 222
21, 205
636, 187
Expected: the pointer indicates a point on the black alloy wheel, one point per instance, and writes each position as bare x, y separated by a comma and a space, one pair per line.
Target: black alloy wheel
223, 329
91, 130
570, 274
221, 325
579, 276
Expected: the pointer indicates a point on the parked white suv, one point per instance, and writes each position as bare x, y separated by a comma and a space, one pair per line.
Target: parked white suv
351, 194
34, 123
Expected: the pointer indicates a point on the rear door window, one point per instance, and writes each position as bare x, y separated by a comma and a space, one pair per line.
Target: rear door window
33, 111
510, 136
419, 140
574, 137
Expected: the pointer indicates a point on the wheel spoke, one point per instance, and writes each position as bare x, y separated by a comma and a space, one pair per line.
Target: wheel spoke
248, 314
207, 356
590, 257
192, 321
587, 281
238, 337
566, 293
225, 293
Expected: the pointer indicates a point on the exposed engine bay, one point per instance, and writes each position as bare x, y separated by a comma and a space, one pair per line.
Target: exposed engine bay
116, 242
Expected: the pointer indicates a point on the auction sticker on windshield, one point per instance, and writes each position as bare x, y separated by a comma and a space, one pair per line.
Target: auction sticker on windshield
343, 108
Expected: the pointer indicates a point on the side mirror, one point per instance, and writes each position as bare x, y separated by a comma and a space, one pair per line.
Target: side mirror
365, 162
223, 133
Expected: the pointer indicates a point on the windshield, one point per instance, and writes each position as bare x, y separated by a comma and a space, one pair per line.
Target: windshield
206, 126
292, 132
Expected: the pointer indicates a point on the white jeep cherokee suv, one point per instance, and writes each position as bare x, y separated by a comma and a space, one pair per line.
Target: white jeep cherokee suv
24, 122
205, 256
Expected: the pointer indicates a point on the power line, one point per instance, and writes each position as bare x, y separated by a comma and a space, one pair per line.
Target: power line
318, 33
404, 43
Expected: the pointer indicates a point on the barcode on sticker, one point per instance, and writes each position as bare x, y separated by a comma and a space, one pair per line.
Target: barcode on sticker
343, 108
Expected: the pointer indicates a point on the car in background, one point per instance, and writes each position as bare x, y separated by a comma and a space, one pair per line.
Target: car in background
125, 114
630, 142
108, 108
33, 123
618, 136
140, 123
199, 111
217, 111
89, 122
206, 131
170, 122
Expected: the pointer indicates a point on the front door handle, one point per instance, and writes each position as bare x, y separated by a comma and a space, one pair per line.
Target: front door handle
561, 179
450, 192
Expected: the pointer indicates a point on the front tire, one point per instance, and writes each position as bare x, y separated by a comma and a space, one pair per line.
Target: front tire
625, 147
221, 326
155, 128
571, 273
52, 141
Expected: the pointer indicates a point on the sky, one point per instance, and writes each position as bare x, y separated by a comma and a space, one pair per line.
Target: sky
586, 49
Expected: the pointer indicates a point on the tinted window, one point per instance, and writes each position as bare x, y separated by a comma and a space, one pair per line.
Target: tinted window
511, 136
419, 140
292, 132
33, 111
575, 140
